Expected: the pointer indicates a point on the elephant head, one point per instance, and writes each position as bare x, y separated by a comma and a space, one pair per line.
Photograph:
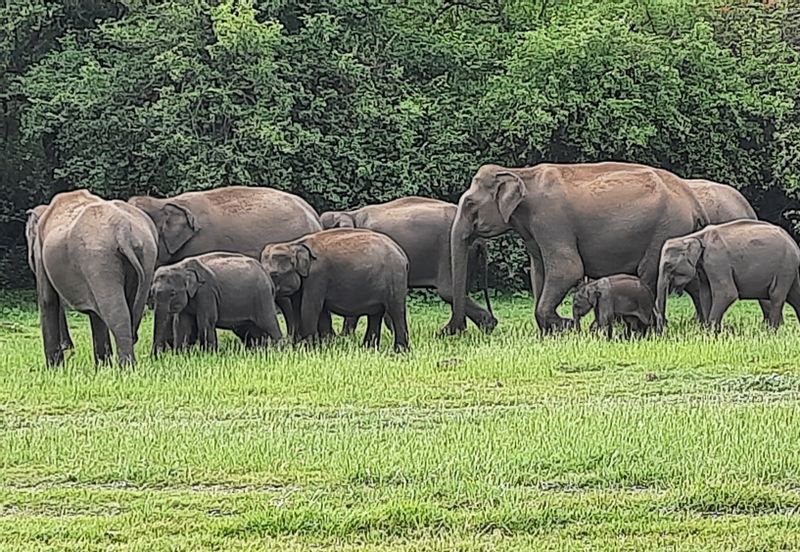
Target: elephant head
175, 222
337, 219
484, 211
173, 286
680, 260
586, 298
32, 234
287, 264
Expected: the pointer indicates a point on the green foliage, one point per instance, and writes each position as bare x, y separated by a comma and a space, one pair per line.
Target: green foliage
348, 103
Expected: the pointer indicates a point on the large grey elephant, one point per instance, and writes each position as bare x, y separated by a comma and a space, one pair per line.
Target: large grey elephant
98, 257
421, 226
576, 220
743, 259
722, 204
350, 272
237, 219
216, 290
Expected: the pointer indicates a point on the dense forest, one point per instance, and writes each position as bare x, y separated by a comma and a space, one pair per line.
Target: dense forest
347, 102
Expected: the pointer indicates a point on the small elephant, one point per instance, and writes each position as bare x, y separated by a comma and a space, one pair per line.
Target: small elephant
98, 257
350, 272
195, 296
722, 203
421, 226
613, 297
743, 259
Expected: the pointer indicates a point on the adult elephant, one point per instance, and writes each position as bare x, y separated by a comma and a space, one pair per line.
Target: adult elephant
577, 220
98, 257
237, 219
421, 227
722, 204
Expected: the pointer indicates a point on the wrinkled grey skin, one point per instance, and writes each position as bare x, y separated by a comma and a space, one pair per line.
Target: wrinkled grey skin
576, 221
421, 227
614, 297
237, 219
98, 257
722, 203
216, 290
743, 259
31, 224
350, 272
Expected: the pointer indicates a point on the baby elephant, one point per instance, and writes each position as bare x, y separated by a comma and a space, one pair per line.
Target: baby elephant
613, 297
217, 290
350, 272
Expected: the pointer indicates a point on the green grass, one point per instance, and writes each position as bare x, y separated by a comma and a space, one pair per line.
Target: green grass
507, 442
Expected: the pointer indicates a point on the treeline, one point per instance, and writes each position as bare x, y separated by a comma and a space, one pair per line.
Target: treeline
348, 102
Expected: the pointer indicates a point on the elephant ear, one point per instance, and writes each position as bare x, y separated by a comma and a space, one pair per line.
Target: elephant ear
510, 192
694, 251
31, 235
196, 275
177, 227
345, 220
599, 288
302, 260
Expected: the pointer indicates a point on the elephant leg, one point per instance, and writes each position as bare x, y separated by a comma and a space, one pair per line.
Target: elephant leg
537, 278
287, 308
100, 339
311, 307
184, 333
793, 298
50, 311
777, 298
349, 325
397, 312
325, 325
766, 309
721, 300
372, 338
63, 328
481, 317
113, 311
556, 286
693, 290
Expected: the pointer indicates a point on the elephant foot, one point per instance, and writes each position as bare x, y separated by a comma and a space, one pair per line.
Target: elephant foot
487, 325
557, 325
453, 328
402, 348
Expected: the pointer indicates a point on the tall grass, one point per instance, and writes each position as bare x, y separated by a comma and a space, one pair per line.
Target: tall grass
687, 441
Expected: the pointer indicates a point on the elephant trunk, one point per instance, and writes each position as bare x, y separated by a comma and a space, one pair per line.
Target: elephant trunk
460, 242
661, 301
163, 337
576, 319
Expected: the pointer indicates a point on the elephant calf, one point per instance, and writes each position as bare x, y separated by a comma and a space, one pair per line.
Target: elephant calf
743, 259
349, 272
613, 297
217, 290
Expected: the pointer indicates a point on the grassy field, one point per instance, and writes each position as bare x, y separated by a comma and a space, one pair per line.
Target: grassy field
507, 442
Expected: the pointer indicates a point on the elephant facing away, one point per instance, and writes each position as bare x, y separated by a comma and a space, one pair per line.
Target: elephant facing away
722, 204
216, 290
743, 259
349, 272
594, 219
236, 219
421, 227
98, 257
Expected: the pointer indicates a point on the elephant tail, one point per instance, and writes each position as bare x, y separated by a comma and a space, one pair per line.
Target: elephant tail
142, 289
483, 256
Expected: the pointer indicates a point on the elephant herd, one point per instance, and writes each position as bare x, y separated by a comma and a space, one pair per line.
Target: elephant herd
232, 257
